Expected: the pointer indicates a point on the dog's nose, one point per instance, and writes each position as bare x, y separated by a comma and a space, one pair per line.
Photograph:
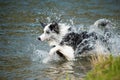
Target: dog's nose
39, 38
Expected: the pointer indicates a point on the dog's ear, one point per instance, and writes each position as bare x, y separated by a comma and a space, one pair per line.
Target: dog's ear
54, 27
42, 24
59, 20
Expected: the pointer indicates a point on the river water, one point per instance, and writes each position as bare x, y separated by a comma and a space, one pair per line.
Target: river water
21, 53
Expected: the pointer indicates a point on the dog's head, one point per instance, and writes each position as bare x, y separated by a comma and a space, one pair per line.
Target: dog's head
54, 32
51, 31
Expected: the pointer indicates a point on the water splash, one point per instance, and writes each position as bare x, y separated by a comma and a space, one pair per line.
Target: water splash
38, 55
111, 41
43, 56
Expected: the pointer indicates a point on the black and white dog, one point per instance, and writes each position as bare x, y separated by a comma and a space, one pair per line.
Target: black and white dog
67, 43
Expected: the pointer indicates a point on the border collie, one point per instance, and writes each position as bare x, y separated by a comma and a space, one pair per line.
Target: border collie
67, 43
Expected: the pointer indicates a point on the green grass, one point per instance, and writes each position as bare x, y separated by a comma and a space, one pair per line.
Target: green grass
104, 68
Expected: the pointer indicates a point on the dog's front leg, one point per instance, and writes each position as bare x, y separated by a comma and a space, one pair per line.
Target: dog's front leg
53, 51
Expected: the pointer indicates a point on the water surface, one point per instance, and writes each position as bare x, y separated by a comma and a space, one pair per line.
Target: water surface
20, 51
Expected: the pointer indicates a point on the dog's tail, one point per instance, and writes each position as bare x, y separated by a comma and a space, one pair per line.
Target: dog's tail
103, 22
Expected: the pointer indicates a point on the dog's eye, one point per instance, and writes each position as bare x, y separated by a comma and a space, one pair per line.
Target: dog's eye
47, 32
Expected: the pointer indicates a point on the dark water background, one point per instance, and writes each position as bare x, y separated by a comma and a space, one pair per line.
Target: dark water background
20, 51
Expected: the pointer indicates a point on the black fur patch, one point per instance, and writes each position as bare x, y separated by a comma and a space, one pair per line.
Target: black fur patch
73, 39
80, 41
54, 27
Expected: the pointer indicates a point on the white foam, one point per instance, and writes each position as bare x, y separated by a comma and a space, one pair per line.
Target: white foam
38, 55
43, 56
